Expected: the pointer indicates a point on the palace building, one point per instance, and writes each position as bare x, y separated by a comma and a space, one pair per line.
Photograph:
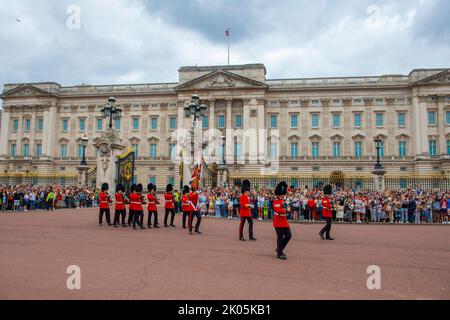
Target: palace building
316, 130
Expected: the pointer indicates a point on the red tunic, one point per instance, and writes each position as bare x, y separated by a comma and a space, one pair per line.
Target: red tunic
185, 206
279, 218
135, 202
193, 196
244, 211
169, 200
104, 202
151, 202
120, 202
326, 211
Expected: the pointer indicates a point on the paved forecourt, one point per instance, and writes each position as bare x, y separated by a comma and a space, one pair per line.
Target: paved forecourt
167, 263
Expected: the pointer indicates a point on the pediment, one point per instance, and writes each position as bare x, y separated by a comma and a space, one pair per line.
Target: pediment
220, 79
441, 77
26, 90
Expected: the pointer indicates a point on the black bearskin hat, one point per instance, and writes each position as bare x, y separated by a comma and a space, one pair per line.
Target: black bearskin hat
169, 188
119, 187
281, 189
150, 187
245, 186
327, 189
133, 188
185, 189
139, 187
105, 186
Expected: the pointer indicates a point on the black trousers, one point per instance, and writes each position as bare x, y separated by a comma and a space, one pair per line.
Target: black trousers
130, 216
250, 227
283, 237
100, 216
166, 216
118, 214
185, 216
149, 220
138, 218
191, 220
327, 227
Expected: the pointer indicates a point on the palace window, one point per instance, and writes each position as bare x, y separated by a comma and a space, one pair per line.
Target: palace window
447, 117
171, 180
448, 146
82, 124
379, 119
315, 149
99, 124
172, 149
135, 123
13, 149
205, 122
431, 118
294, 121
154, 123
237, 150
357, 118
336, 149
294, 150
153, 150
381, 144
401, 119
221, 121
27, 125
65, 125
172, 123
38, 150
135, 147
117, 124
273, 151
315, 120
40, 124
238, 121
80, 151
402, 148
26, 150
63, 151
336, 120
358, 149
432, 148
15, 125
273, 121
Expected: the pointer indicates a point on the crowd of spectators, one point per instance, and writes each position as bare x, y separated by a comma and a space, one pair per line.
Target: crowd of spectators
399, 206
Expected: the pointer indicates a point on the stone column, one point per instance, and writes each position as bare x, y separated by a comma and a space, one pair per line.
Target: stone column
48, 142
419, 110
5, 133
284, 125
82, 175
212, 114
378, 179
261, 128
441, 125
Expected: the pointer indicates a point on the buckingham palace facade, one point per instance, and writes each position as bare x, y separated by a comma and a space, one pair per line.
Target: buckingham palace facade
324, 127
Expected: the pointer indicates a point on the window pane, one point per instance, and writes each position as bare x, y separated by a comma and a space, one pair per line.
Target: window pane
221, 122
336, 120
336, 149
379, 117
117, 124
273, 121
99, 124
294, 121
38, 150
315, 149
15, 125
26, 149
357, 120
82, 124
447, 117
173, 123
204, 122
13, 150
432, 147
294, 150
40, 124
153, 150
358, 149
135, 123
315, 120
401, 120
135, 147
402, 148
154, 123
431, 118
65, 124
238, 121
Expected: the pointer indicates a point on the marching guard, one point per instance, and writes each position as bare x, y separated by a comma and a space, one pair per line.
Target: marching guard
169, 206
194, 212
185, 205
245, 212
104, 205
119, 206
152, 206
280, 222
136, 206
326, 213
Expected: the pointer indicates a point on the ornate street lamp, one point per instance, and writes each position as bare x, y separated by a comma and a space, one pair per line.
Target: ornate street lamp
84, 143
378, 169
111, 111
195, 108
223, 141
378, 141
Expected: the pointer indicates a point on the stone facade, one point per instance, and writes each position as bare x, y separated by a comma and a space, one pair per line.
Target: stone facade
305, 130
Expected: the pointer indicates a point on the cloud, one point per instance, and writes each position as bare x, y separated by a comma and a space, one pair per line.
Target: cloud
129, 41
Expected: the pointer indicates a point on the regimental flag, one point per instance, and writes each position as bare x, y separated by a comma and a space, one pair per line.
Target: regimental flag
195, 182
227, 33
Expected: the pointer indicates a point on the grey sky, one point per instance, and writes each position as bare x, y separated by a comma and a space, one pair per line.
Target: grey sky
135, 41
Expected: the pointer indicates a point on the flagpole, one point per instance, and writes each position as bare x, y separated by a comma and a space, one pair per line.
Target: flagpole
228, 50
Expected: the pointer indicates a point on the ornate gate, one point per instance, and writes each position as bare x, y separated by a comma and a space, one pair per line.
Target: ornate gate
125, 169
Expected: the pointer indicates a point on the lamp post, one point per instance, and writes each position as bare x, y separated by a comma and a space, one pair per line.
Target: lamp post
111, 111
84, 143
378, 171
223, 141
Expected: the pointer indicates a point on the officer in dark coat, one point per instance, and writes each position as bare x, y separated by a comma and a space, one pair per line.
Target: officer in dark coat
327, 213
280, 222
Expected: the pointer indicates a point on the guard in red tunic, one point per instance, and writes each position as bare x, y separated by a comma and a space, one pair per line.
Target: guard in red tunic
169, 206
152, 206
104, 200
194, 212
245, 211
119, 206
326, 213
280, 222
185, 205
136, 205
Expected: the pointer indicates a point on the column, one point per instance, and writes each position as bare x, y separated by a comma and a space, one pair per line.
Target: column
283, 125
441, 125
419, 110
261, 128
212, 114
229, 132
5, 131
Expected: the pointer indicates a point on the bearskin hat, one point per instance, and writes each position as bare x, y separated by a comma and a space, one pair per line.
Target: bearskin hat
281, 189
150, 187
245, 186
139, 187
133, 188
327, 189
119, 187
169, 188
105, 186
185, 189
